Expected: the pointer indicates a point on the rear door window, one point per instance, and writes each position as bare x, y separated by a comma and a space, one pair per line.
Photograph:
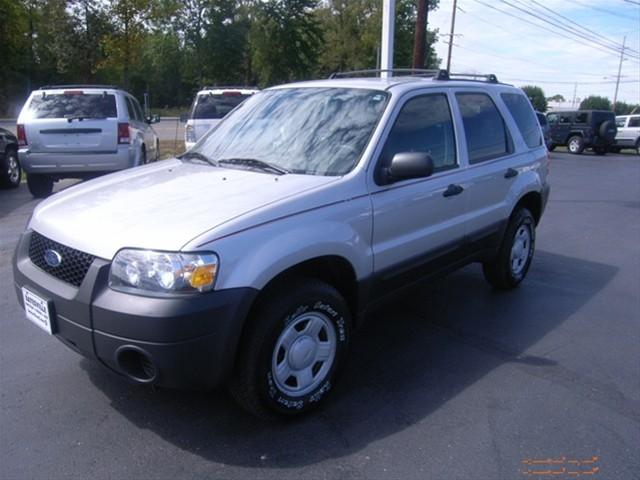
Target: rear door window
76, 104
484, 128
520, 109
216, 106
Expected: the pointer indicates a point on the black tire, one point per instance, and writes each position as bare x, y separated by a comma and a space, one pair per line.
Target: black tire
575, 144
157, 156
600, 150
11, 174
143, 156
551, 147
40, 186
615, 149
607, 131
500, 272
284, 308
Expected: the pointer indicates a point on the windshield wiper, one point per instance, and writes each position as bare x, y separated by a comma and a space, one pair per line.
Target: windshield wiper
198, 156
255, 163
71, 118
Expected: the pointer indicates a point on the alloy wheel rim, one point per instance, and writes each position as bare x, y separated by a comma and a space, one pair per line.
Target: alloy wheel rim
13, 169
520, 249
304, 354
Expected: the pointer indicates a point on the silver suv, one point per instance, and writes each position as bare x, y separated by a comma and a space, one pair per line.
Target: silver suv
306, 206
628, 135
81, 131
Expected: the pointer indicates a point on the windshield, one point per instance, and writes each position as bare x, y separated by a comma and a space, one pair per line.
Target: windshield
320, 131
73, 104
211, 105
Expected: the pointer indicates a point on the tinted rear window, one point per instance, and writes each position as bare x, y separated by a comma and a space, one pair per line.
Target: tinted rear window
216, 106
521, 111
73, 105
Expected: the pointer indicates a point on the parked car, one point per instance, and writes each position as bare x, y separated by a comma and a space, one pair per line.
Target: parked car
81, 131
10, 170
305, 207
209, 107
544, 125
580, 129
628, 135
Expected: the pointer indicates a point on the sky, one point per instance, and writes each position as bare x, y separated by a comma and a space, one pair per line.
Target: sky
520, 53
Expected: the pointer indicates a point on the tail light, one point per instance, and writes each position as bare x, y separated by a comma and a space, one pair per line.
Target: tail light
124, 137
190, 134
22, 135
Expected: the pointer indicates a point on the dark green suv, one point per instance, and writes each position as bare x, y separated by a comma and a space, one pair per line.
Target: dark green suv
580, 129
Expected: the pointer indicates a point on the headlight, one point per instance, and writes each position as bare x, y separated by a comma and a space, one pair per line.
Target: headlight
163, 272
190, 134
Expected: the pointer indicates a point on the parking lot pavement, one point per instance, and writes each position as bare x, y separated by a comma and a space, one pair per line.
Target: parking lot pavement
452, 381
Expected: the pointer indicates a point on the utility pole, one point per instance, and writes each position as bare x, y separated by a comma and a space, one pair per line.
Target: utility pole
615, 95
453, 26
573, 100
419, 38
388, 21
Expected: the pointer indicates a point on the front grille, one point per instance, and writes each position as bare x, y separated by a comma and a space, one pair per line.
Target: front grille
72, 268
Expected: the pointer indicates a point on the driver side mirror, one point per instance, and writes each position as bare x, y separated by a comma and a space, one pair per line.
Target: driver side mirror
153, 119
406, 165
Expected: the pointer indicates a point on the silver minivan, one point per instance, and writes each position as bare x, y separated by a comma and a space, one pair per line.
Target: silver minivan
81, 131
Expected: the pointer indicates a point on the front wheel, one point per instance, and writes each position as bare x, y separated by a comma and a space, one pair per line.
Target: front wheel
40, 186
12, 173
600, 150
512, 263
295, 345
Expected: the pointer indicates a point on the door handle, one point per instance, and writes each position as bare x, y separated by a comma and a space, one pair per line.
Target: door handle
452, 190
511, 172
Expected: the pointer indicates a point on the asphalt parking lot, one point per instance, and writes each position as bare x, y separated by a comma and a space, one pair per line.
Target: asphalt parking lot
452, 381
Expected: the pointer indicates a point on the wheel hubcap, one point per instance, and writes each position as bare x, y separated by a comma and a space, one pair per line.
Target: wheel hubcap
521, 249
304, 354
13, 169
573, 146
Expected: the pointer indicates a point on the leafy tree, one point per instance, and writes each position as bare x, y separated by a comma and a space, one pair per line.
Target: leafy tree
623, 108
536, 96
556, 98
285, 40
13, 45
595, 102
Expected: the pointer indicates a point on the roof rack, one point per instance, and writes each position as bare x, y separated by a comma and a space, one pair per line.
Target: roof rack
411, 72
51, 87
418, 72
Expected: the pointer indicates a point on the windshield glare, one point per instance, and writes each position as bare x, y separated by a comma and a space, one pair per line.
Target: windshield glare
321, 131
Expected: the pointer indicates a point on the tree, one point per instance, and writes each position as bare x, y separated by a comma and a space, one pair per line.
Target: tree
536, 96
595, 102
285, 40
623, 108
556, 98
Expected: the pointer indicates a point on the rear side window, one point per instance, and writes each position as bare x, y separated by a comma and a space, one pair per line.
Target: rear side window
484, 127
542, 120
73, 104
424, 125
634, 122
520, 109
216, 106
582, 117
620, 122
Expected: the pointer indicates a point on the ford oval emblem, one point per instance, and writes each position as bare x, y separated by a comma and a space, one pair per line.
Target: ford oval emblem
52, 258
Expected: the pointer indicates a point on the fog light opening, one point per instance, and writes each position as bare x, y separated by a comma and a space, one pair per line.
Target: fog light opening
136, 364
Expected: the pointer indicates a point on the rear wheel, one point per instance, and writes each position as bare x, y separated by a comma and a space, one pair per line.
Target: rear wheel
295, 344
40, 186
576, 144
512, 263
157, 155
143, 156
12, 172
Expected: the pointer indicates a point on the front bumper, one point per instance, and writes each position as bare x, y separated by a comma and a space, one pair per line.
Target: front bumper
177, 342
69, 163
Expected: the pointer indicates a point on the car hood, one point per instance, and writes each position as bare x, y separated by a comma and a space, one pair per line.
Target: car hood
159, 206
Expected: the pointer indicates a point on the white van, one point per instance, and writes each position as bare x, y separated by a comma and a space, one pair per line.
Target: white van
209, 107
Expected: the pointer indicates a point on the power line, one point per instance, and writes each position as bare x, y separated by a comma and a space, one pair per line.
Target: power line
562, 27
608, 52
603, 10
595, 34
